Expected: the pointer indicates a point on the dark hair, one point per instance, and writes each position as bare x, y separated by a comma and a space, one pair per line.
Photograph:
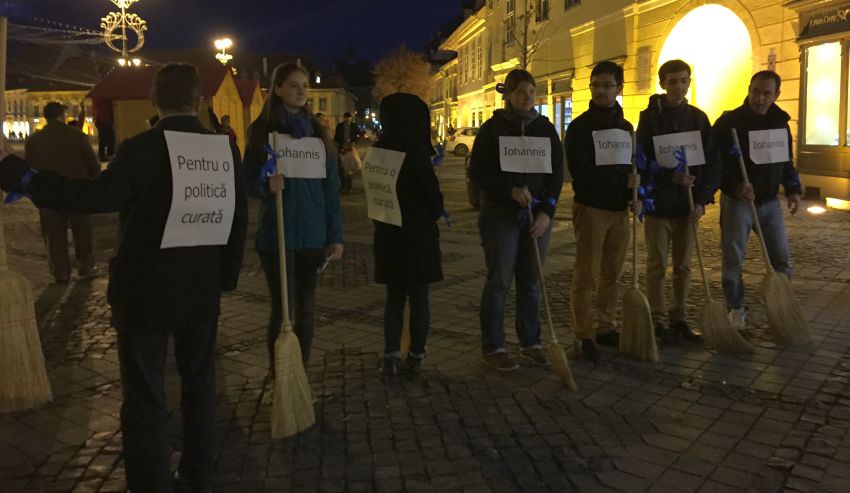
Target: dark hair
767, 75
672, 66
608, 67
53, 110
346, 115
514, 78
176, 87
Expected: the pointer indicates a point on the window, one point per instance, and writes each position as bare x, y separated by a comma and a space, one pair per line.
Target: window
823, 90
542, 10
571, 3
479, 60
509, 30
323, 104
510, 6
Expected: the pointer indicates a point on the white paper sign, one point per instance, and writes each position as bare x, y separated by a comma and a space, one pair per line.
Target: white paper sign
203, 190
666, 145
380, 173
613, 146
525, 154
299, 158
769, 146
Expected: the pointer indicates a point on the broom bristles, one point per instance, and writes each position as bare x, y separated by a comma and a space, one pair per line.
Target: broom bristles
23, 377
784, 316
719, 332
638, 337
561, 365
292, 410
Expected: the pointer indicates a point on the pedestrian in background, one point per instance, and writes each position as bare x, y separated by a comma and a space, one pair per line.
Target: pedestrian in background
598, 149
312, 217
407, 257
66, 150
346, 136
507, 231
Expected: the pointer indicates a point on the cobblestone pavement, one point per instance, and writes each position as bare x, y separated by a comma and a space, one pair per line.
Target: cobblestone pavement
775, 420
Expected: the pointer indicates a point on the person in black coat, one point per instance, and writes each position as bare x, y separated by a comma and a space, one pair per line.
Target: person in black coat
156, 292
507, 232
345, 137
407, 258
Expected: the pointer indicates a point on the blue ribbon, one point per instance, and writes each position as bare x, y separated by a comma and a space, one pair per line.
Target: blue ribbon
681, 159
522, 215
24, 185
270, 168
438, 158
735, 151
447, 218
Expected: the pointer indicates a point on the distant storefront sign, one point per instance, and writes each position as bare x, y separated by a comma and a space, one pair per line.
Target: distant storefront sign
825, 22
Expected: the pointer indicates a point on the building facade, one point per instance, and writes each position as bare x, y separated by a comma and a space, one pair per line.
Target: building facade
24, 110
725, 41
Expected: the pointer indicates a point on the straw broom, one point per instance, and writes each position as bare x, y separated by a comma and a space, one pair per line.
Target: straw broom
784, 316
23, 376
716, 328
638, 337
292, 409
554, 351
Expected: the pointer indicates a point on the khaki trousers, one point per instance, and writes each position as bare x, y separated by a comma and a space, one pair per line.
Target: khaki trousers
660, 233
54, 230
602, 239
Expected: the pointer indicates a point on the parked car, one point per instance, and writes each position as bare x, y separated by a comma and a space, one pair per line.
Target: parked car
461, 142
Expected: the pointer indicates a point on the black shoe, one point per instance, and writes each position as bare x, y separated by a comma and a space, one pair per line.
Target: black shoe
412, 365
501, 361
590, 351
663, 334
610, 338
390, 367
182, 486
682, 331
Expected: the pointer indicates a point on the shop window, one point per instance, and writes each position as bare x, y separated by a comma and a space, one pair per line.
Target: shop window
571, 3
823, 87
542, 10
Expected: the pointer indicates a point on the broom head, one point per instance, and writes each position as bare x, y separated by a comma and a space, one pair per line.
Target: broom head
719, 332
292, 410
784, 316
638, 337
23, 376
560, 365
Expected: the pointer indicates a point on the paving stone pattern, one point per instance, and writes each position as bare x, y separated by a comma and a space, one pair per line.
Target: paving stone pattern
775, 420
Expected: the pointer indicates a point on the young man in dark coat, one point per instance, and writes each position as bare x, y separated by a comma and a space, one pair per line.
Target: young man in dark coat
407, 257
667, 124
598, 148
508, 232
765, 139
157, 292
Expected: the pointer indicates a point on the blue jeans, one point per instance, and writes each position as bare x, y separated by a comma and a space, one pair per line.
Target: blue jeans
736, 222
508, 253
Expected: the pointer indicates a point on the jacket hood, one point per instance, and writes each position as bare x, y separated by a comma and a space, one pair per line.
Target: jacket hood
406, 123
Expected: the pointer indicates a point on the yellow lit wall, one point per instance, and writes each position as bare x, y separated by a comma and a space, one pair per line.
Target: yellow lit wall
716, 43
823, 70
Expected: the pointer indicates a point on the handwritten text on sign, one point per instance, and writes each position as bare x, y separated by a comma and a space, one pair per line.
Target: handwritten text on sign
612, 146
525, 154
769, 146
299, 158
380, 173
666, 145
203, 190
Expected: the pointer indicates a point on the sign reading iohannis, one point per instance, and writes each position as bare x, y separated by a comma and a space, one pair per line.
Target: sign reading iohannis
299, 158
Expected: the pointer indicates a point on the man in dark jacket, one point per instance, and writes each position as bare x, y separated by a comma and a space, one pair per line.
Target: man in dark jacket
667, 125
765, 139
345, 136
598, 146
157, 290
66, 150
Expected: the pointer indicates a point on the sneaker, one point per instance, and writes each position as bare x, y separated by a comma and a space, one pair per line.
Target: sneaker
390, 366
682, 331
534, 356
501, 361
412, 365
609, 338
738, 318
590, 351
663, 334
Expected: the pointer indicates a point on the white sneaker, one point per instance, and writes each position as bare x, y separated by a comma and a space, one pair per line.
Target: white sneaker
738, 318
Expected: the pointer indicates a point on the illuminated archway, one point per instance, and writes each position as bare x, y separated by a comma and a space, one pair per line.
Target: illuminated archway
716, 43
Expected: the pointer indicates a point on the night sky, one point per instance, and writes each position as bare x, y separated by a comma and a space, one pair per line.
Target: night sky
323, 29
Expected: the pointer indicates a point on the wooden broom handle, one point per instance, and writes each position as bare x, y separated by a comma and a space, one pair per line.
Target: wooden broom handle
756, 221
634, 215
281, 249
536, 249
695, 226
4, 265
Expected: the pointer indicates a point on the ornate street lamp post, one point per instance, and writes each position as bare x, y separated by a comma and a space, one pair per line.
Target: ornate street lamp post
223, 45
124, 22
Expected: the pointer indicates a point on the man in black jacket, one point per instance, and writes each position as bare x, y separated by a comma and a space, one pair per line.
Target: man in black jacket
598, 146
160, 285
667, 125
345, 136
765, 139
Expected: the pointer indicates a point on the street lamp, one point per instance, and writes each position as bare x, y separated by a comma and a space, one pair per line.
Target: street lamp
124, 21
223, 44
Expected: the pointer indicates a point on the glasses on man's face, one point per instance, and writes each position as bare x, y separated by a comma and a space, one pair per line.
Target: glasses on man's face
603, 85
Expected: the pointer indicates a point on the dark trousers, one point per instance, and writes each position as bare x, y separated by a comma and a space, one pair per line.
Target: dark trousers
345, 180
144, 414
302, 280
54, 230
420, 317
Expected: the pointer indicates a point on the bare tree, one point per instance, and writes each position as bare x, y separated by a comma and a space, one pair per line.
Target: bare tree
402, 70
529, 33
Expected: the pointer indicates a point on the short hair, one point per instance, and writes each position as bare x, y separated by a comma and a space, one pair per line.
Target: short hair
671, 67
176, 87
346, 115
53, 110
608, 67
767, 75
516, 77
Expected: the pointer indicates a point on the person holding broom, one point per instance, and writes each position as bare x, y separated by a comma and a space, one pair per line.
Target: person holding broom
598, 146
517, 162
668, 123
172, 265
312, 217
765, 144
407, 257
